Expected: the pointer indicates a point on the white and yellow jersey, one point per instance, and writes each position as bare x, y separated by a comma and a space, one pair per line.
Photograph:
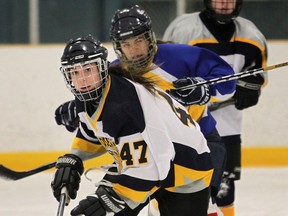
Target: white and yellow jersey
152, 139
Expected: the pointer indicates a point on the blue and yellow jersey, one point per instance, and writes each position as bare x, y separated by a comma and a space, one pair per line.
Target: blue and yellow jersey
175, 61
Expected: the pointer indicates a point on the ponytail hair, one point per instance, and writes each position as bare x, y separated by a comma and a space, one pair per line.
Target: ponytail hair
134, 75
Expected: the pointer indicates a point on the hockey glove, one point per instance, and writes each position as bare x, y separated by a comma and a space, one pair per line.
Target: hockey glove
66, 115
248, 90
69, 169
103, 201
198, 95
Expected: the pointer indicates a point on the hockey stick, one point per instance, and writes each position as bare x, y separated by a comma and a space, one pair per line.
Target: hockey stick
218, 105
64, 200
233, 76
9, 174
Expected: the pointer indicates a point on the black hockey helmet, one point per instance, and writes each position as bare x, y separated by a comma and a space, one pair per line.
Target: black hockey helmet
128, 23
89, 52
83, 49
222, 18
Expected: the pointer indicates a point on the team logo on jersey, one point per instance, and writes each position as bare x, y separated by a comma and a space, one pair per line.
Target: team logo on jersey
112, 149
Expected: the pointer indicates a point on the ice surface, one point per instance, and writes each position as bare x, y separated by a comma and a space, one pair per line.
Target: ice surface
260, 192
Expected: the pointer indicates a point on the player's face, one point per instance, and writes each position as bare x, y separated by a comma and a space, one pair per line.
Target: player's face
135, 48
223, 6
85, 78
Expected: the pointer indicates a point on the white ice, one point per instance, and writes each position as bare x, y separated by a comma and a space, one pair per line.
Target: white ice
260, 192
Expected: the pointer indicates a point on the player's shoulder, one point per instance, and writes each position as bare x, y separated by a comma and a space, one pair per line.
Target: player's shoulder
177, 48
181, 54
120, 96
245, 24
184, 27
176, 52
186, 18
184, 21
244, 21
247, 29
121, 86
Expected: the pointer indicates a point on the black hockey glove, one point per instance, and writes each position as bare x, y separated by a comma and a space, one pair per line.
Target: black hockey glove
66, 115
69, 169
103, 201
198, 95
248, 90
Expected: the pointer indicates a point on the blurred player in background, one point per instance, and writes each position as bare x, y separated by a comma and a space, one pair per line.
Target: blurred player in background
240, 43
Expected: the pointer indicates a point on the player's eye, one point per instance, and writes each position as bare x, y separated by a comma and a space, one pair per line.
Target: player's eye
88, 69
125, 45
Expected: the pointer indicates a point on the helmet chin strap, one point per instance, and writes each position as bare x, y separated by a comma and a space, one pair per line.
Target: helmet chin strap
218, 18
224, 22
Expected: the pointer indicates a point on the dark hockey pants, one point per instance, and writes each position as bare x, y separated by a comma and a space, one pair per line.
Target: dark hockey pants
218, 157
175, 204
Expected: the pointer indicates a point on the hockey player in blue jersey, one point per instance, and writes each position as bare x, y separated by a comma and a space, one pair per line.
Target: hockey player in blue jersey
239, 42
158, 149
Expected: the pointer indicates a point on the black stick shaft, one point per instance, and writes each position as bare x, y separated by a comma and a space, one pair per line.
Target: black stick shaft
10, 174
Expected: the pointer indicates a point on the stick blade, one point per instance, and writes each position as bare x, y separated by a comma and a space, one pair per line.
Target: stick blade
8, 174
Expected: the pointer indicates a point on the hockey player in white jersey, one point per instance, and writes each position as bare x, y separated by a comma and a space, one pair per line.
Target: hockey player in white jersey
136, 47
239, 42
158, 150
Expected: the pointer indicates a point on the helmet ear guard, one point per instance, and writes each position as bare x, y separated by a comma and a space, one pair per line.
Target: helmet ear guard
85, 53
222, 18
